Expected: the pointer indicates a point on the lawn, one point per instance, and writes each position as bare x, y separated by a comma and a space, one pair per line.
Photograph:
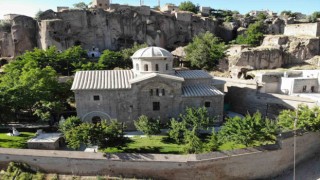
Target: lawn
154, 144
15, 141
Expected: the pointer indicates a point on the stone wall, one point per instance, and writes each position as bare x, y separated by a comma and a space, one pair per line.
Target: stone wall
307, 29
251, 163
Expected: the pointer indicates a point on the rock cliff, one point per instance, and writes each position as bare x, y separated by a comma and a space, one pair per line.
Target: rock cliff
113, 29
275, 52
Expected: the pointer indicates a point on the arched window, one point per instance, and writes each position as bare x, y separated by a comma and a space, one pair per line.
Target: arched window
157, 92
96, 119
146, 67
167, 66
157, 67
137, 67
151, 92
163, 92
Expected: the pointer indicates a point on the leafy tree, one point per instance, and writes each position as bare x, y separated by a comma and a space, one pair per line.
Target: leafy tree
177, 131
110, 60
212, 144
21, 171
197, 118
188, 6
147, 126
306, 118
193, 142
102, 134
314, 16
261, 17
250, 130
37, 15
253, 36
80, 5
204, 51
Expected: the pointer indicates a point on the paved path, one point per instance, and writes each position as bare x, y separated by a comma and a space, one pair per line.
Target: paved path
308, 170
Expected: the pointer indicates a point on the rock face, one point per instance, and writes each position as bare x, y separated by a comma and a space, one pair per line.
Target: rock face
119, 29
97, 28
23, 36
275, 51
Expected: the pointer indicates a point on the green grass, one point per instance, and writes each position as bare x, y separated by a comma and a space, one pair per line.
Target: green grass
15, 141
153, 144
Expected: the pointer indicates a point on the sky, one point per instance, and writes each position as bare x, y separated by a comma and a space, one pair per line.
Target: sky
31, 7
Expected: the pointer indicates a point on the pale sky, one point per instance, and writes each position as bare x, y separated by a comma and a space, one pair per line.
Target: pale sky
30, 7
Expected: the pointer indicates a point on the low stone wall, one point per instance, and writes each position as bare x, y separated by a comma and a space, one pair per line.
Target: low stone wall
250, 163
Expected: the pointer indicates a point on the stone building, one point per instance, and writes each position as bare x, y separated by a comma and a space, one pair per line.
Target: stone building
152, 87
103, 4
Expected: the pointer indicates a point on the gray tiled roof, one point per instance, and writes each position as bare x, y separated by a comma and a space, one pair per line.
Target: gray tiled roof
200, 90
192, 74
111, 79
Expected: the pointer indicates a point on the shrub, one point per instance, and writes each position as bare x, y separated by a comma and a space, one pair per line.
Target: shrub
148, 126
177, 131
193, 142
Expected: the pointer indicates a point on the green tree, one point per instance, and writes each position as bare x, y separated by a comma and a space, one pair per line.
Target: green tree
147, 125
80, 5
314, 16
205, 51
261, 16
79, 133
197, 118
253, 36
110, 60
177, 130
306, 118
212, 144
188, 6
250, 130
193, 142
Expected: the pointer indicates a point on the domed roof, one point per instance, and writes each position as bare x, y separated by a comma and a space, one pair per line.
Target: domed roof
150, 52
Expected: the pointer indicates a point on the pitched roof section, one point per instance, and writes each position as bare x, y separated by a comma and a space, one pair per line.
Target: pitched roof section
200, 90
98, 80
193, 74
151, 75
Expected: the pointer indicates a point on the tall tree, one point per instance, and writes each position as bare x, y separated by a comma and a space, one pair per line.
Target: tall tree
254, 34
188, 6
80, 5
205, 51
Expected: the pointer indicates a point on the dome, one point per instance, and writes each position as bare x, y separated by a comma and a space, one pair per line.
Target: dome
151, 52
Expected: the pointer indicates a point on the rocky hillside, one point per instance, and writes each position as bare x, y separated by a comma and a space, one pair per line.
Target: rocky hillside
276, 51
114, 29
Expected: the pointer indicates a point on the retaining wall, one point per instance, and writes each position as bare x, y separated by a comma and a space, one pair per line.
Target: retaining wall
250, 163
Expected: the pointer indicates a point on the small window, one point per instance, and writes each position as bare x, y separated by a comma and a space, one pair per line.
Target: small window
137, 67
157, 67
157, 92
163, 92
146, 67
151, 92
207, 104
156, 106
167, 66
304, 88
100, 5
96, 98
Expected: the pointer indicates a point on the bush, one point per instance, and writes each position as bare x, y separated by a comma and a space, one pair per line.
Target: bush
253, 36
21, 171
250, 130
205, 51
188, 6
307, 119
102, 134
193, 142
147, 126
177, 131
